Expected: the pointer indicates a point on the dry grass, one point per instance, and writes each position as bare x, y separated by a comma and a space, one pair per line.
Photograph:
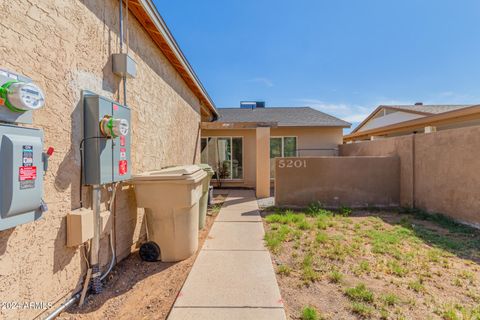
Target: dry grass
375, 265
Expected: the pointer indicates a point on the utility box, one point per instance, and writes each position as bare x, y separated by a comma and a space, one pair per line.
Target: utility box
123, 65
106, 142
79, 227
21, 175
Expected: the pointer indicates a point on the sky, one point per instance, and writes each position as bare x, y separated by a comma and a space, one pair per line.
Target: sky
342, 57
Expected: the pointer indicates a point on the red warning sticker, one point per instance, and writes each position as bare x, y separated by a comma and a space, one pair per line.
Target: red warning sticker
122, 141
122, 167
27, 173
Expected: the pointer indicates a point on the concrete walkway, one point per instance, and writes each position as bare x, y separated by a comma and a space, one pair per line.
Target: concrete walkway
233, 276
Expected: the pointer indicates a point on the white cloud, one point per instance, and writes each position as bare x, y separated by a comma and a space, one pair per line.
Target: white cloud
348, 112
265, 81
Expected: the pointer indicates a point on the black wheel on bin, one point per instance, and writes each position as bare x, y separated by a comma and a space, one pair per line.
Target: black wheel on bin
149, 251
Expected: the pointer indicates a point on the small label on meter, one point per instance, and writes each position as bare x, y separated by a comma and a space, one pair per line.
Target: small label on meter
123, 153
27, 156
122, 141
122, 167
27, 173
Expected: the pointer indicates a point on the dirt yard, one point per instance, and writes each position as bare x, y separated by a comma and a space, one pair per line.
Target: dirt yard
140, 290
374, 265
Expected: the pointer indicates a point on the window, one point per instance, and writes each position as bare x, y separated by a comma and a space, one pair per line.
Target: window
281, 147
224, 155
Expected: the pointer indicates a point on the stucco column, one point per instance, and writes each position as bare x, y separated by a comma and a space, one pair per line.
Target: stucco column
263, 162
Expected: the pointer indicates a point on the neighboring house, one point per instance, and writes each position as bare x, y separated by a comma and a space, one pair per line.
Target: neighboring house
396, 120
246, 140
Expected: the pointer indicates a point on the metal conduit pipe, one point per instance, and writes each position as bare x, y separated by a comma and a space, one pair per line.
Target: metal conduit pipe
63, 307
124, 78
111, 208
96, 284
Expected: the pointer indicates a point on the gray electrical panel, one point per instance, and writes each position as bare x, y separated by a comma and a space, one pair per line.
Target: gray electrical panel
21, 175
105, 159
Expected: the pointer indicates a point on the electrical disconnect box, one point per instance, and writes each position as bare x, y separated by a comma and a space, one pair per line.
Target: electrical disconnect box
106, 142
22, 160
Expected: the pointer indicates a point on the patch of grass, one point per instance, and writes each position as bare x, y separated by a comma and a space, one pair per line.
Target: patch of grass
275, 238
363, 267
323, 222
460, 312
309, 313
304, 225
416, 286
321, 237
345, 211
396, 269
390, 299
362, 309
385, 241
308, 273
359, 293
335, 276
284, 270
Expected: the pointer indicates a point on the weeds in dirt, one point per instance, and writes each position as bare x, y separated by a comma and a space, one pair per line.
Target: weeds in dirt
362, 309
335, 276
310, 313
359, 293
284, 270
404, 259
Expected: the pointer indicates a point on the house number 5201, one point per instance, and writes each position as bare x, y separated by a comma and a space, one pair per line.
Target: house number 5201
292, 163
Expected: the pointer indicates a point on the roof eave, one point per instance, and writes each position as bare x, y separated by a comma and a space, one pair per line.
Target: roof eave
434, 119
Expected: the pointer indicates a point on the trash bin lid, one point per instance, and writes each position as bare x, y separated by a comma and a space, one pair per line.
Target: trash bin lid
188, 172
206, 167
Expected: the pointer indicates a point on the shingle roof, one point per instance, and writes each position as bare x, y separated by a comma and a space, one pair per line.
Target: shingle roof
284, 116
429, 108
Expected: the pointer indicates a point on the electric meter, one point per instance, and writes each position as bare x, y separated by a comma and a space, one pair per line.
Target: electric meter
111, 127
21, 96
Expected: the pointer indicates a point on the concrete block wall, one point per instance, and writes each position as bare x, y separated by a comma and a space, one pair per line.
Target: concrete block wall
439, 170
66, 46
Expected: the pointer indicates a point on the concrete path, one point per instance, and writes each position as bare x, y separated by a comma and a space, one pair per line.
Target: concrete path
233, 276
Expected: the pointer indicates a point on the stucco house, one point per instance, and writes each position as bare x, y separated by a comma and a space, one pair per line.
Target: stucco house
243, 142
397, 120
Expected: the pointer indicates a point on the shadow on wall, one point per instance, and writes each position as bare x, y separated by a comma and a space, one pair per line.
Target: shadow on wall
149, 55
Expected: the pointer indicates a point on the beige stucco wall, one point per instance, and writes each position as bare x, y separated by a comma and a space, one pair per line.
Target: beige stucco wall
337, 181
313, 138
66, 46
307, 138
442, 176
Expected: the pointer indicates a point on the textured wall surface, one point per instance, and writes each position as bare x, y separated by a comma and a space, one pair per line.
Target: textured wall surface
439, 171
66, 46
337, 181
